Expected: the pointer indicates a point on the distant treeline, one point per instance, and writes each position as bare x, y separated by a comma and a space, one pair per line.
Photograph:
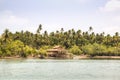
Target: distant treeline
24, 44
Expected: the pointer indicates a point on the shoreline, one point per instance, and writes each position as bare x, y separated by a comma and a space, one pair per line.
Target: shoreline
74, 57
96, 57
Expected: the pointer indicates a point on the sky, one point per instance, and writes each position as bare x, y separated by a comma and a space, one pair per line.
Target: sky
102, 15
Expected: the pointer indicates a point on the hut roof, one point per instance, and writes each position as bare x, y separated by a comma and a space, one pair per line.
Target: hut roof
52, 50
55, 49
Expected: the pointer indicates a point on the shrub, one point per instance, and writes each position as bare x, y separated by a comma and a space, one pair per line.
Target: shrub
114, 51
15, 47
75, 50
88, 49
95, 49
0, 53
42, 51
99, 49
28, 50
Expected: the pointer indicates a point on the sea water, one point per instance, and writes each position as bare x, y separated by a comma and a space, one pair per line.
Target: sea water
37, 69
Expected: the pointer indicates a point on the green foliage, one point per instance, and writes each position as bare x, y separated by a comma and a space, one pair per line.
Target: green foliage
12, 48
78, 42
95, 49
99, 49
15, 47
0, 53
114, 51
75, 50
28, 50
46, 47
42, 51
88, 49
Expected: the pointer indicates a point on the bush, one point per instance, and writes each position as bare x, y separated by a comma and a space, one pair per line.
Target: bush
95, 49
88, 49
75, 50
114, 51
99, 49
28, 50
0, 53
42, 51
15, 47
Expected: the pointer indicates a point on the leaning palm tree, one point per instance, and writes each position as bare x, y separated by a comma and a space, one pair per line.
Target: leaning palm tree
39, 29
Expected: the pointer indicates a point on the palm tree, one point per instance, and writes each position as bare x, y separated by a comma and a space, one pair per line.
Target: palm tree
108, 39
92, 37
62, 30
116, 39
90, 28
52, 34
6, 35
79, 32
45, 34
57, 32
116, 34
39, 29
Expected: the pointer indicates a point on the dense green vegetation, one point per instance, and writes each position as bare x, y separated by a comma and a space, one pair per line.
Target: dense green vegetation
25, 44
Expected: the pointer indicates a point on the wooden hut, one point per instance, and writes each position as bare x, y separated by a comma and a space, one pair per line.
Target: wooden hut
56, 51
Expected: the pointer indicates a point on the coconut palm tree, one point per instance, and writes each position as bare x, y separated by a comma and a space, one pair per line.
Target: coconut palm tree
6, 35
90, 28
39, 29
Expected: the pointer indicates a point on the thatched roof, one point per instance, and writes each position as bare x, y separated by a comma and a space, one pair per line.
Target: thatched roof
55, 49
52, 50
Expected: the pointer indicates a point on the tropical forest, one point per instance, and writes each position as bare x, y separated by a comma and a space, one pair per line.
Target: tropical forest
76, 42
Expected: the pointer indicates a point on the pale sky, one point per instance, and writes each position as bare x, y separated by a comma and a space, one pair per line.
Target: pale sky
102, 15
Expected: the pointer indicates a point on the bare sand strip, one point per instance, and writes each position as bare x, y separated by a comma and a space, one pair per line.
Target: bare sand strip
74, 57
96, 57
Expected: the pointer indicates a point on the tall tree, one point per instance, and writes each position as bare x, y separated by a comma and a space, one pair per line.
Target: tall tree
39, 29
62, 30
90, 28
6, 35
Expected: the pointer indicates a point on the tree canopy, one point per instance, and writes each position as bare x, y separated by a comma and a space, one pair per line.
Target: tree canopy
26, 43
